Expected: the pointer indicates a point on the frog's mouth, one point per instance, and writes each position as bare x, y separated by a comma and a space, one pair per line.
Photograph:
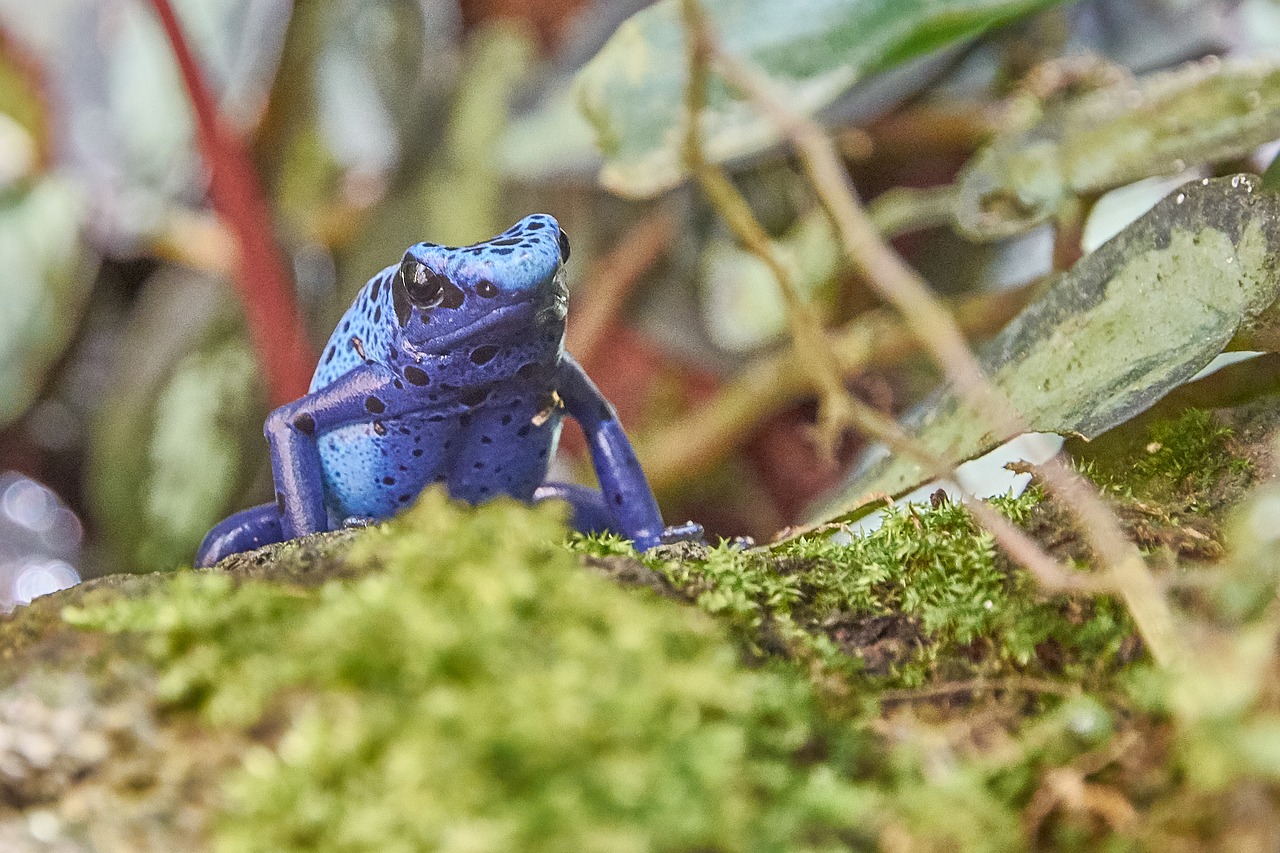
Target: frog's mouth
551, 305
506, 315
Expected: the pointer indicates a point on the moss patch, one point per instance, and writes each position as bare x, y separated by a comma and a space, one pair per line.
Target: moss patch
926, 596
456, 680
1180, 462
482, 693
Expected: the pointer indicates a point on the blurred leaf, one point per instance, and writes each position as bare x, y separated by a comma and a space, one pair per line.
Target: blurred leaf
632, 92
181, 433
552, 141
368, 83
742, 306
1125, 326
455, 199
124, 125
1205, 113
48, 272
25, 137
463, 189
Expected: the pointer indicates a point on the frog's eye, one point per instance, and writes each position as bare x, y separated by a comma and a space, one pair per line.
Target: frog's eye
564, 247
425, 288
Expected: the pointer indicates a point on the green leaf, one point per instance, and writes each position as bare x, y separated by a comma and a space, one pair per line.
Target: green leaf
550, 142
460, 199
1125, 326
632, 92
181, 434
1211, 112
48, 272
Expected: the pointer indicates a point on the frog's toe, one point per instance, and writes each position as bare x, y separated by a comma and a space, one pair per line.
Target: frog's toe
690, 531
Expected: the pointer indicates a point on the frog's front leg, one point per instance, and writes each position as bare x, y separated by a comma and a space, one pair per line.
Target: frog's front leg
626, 494
242, 531
360, 395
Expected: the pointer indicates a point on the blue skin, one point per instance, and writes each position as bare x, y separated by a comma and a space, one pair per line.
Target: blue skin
449, 368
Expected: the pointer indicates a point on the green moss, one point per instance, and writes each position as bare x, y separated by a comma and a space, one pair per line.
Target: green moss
1175, 462
483, 693
924, 596
1183, 460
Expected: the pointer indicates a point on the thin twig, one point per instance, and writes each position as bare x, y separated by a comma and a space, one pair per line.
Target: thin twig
907, 209
840, 408
834, 403
275, 326
899, 285
1022, 684
1021, 548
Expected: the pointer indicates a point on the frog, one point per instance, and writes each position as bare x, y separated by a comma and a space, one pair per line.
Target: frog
448, 370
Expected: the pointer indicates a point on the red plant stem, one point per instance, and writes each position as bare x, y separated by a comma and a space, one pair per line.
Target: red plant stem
31, 74
275, 326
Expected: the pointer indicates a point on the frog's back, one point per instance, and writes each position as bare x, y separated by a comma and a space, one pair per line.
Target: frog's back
363, 335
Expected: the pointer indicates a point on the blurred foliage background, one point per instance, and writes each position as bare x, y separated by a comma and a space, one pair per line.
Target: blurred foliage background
131, 400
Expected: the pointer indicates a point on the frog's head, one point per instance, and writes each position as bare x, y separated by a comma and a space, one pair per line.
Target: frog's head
506, 288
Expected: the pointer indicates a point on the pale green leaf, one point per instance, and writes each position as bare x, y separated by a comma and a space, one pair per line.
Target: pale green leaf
181, 435
48, 272
1210, 112
633, 90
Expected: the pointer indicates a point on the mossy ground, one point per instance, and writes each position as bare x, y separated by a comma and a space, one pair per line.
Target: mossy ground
478, 692
454, 680
923, 599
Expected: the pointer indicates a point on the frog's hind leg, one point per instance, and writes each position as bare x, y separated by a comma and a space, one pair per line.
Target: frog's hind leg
245, 530
590, 514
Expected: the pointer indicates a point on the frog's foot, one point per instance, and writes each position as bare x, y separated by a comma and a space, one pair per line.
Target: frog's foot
245, 530
590, 515
672, 535
690, 531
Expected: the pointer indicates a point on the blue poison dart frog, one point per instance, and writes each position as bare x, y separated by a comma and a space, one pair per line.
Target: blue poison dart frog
448, 368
